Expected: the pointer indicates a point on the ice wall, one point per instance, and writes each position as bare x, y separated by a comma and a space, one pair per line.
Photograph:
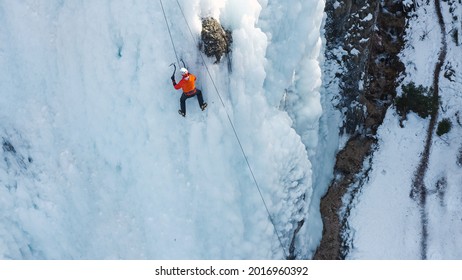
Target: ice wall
98, 164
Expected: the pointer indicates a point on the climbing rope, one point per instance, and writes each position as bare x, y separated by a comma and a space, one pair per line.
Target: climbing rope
169, 32
233, 128
236, 135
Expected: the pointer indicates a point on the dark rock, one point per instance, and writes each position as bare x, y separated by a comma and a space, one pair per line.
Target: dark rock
370, 35
8, 147
215, 40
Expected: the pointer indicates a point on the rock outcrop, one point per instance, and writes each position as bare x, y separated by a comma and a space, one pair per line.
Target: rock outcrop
370, 35
215, 40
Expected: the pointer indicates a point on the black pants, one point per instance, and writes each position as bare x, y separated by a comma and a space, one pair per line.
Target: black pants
184, 97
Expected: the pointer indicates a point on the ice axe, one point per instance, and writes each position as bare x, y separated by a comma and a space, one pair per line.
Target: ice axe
174, 70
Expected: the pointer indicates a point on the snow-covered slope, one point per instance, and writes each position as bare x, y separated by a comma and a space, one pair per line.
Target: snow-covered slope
386, 222
97, 163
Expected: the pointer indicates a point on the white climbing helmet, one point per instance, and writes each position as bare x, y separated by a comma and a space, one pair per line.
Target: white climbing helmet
183, 71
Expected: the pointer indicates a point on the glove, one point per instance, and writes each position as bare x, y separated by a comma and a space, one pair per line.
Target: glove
173, 80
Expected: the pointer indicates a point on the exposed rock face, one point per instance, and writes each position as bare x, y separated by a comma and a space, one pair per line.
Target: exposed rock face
384, 64
370, 36
216, 41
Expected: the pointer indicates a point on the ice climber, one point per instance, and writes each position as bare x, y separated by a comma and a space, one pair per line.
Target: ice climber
187, 83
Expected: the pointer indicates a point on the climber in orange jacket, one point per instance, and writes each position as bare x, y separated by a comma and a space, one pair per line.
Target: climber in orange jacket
187, 83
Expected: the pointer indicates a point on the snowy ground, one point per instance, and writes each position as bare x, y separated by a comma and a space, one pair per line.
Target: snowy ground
386, 222
97, 163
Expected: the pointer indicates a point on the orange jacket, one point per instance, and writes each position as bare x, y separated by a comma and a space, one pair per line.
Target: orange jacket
187, 83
